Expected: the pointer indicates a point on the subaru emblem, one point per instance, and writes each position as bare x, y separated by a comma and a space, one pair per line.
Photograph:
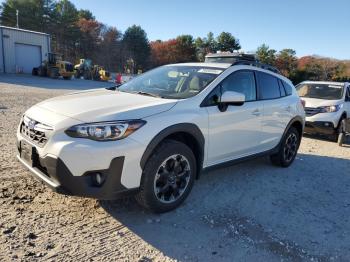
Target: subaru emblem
31, 124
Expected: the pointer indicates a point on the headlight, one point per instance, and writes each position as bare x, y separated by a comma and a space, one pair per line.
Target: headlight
105, 131
330, 109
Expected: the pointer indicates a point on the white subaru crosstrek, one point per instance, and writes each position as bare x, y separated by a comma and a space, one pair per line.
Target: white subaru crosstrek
327, 104
155, 134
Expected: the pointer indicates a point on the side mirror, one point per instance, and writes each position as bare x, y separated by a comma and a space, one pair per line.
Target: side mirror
230, 98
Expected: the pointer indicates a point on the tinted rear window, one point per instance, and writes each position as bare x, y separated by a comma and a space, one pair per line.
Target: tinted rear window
268, 86
287, 87
282, 90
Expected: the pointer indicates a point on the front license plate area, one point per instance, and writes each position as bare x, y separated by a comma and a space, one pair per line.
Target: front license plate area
28, 153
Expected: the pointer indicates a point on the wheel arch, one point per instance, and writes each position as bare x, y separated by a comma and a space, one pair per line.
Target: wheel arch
187, 133
296, 122
343, 115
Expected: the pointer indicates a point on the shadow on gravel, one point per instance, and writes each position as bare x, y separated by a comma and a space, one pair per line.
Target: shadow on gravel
328, 139
298, 213
48, 83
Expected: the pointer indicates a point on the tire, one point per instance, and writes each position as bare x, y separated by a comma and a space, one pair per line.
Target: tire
86, 75
53, 73
35, 71
339, 129
41, 71
77, 74
288, 148
161, 190
341, 139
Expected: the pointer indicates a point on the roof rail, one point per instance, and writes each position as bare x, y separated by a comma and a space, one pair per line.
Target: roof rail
256, 63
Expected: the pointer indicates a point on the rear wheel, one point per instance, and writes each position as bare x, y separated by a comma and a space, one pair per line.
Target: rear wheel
77, 74
35, 71
168, 177
288, 148
53, 73
41, 71
87, 75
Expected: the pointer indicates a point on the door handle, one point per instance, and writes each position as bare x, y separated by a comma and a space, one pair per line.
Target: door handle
256, 112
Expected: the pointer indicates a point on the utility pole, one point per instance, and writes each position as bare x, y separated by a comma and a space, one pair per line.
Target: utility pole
17, 18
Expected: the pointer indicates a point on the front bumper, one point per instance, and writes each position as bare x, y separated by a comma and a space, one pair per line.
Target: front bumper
319, 127
54, 173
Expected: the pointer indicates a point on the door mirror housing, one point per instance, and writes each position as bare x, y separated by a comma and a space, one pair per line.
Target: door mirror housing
232, 98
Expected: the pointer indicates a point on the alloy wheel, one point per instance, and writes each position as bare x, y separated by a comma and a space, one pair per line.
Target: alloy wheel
172, 178
290, 147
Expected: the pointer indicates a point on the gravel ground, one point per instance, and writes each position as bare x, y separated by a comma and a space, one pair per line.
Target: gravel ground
247, 212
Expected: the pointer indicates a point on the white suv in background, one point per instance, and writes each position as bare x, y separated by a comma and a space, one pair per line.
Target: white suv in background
155, 134
326, 105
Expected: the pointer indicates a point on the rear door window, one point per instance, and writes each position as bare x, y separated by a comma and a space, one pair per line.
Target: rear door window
282, 90
268, 86
287, 87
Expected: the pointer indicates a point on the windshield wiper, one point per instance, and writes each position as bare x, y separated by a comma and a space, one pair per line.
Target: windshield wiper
147, 94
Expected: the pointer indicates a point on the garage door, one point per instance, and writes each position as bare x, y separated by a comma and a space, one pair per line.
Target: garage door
27, 57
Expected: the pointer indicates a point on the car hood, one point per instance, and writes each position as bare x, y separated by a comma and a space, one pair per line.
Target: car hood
315, 102
106, 105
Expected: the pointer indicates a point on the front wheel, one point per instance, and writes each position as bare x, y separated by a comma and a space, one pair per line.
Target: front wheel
168, 177
341, 139
288, 148
339, 130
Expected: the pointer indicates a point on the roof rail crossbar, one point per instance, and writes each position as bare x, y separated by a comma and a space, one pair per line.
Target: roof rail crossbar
257, 64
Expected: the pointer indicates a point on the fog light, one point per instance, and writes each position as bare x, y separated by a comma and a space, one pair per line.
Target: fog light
98, 179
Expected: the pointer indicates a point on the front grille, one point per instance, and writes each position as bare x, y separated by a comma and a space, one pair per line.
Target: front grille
34, 131
311, 111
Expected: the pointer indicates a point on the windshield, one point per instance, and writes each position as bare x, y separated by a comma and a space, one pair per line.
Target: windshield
320, 91
225, 59
175, 82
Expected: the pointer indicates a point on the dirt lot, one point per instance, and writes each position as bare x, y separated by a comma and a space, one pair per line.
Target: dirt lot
248, 212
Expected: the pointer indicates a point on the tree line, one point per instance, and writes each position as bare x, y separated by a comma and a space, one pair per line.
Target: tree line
304, 68
76, 33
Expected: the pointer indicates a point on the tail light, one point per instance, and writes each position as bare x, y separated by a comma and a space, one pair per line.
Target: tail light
302, 102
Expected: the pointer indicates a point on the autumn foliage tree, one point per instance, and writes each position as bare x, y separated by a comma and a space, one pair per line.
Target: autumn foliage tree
163, 52
76, 33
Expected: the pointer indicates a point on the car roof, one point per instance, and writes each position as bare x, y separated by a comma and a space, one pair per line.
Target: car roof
222, 55
325, 82
203, 64
224, 66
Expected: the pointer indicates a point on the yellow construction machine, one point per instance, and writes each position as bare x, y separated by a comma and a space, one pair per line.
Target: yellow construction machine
54, 67
88, 71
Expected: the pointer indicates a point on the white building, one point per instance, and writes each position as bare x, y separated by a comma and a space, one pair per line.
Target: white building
21, 50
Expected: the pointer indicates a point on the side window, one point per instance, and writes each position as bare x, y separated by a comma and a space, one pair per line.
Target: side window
288, 88
213, 98
282, 90
241, 82
268, 86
